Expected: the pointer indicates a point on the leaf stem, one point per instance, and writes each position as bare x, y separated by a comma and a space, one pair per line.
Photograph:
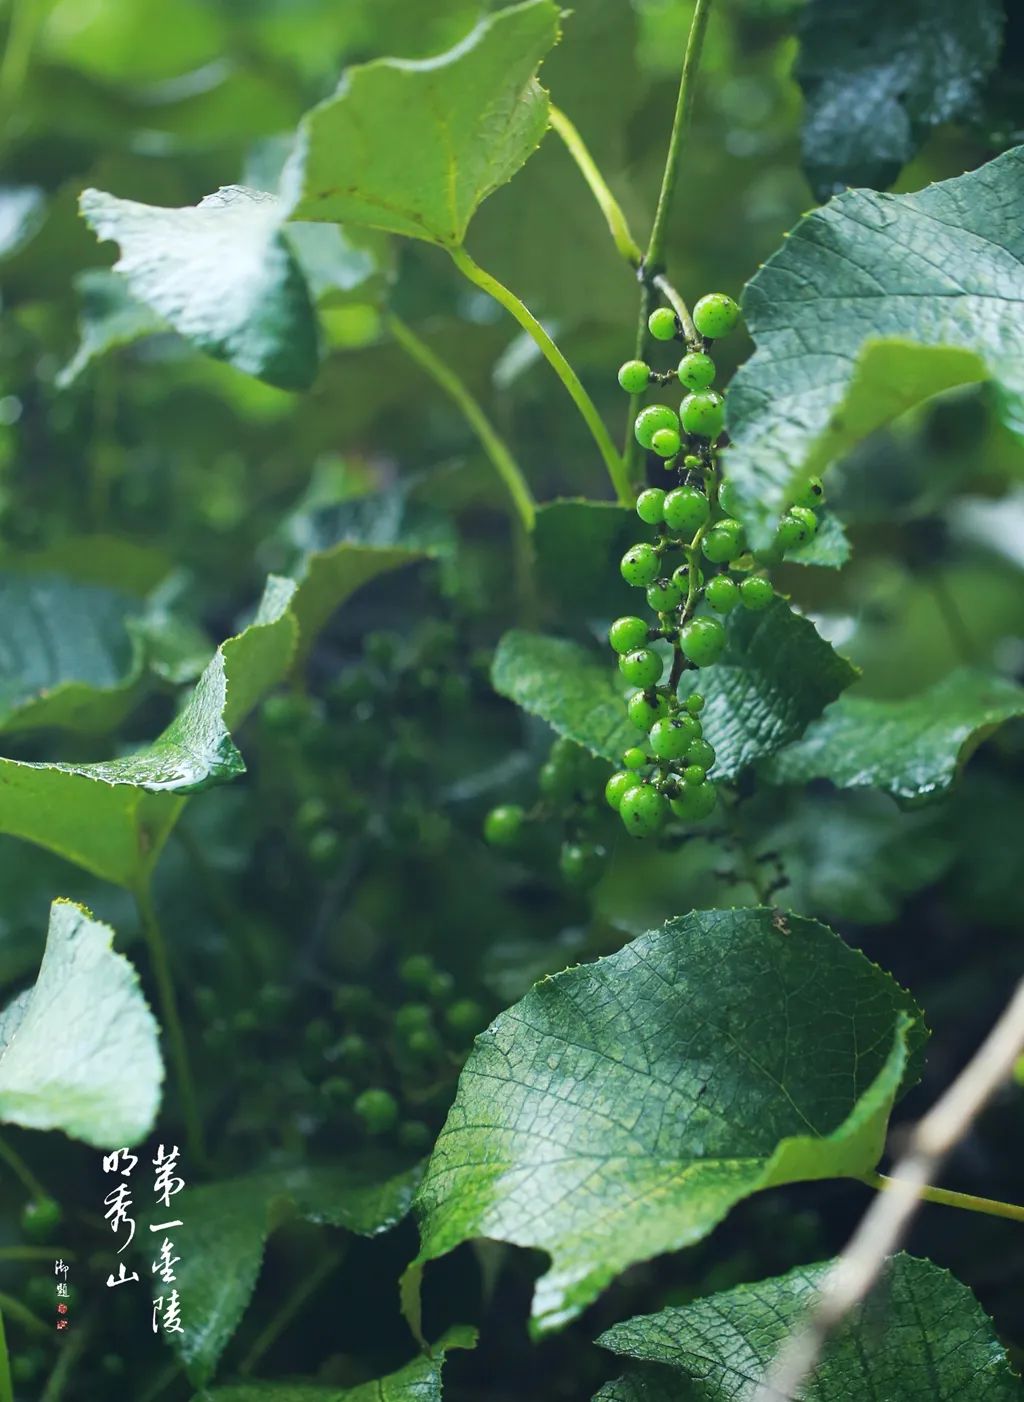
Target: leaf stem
693, 339
309, 1283
484, 280
493, 445
684, 106
990, 1207
21, 1170
610, 207
26, 18
6, 1386
172, 1020
25, 1317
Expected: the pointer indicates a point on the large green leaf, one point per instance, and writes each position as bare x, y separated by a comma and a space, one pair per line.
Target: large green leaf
912, 748
113, 817
878, 77
622, 1108
225, 1230
79, 1051
775, 676
874, 303
110, 318
414, 146
222, 274
920, 1337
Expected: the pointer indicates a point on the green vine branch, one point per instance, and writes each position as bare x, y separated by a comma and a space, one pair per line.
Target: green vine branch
945, 1197
611, 209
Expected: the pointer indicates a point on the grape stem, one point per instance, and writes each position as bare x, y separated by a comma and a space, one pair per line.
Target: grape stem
618, 225
493, 445
508, 299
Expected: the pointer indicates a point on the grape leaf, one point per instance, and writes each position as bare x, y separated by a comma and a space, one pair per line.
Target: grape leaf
226, 1226
414, 146
110, 317
648, 1384
418, 1381
828, 548
594, 535
920, 1337
222, 274
622, 1108
113, 817
873, 304
912, 748
878, 77
774, 677
22, 211
79, 1050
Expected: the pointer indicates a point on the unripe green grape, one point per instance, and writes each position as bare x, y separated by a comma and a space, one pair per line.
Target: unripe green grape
791, 533
465, 1017
729, 498
756, 592
703, 413
621, 781
504, 824
696, 370
644, 713
412, 1015
664, 595
715, 315
324, 849
378, 1110
424, 1043
318, 1033
627, 634
724, 541
811, 494
662, 324
634, 757
672, 737
418, 969
353, 1051
693, 774
581, 863
339, 1090
686, 509
806, 517
650, 504
722, 593
694, 703
313, 813
666, 442
40, 1218
441, 986
556, 781
681, 576
695, 802
642, 668
642, 811
414, 1135
640, 565
702, 641
651, 419
700, 752
634, 376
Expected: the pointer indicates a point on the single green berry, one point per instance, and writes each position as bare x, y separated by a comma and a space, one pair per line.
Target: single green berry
694, 703
581, 863
634, 376
621, 781
642, 668
715, 315
664, 595
700, 752
465, 1017
696, 370
651, 419
666, 442
640, 565
702, 641
352, 1000
424, 1043
662, 324
414, 1135
556, 781
418, 969
722, 593
504, 824
338, 1089
686, 510
729, 498
642, 811
318, 1033
681, 576
756, 592
353, 1051
811, 494
644, 713
693, 774
724, 541
703, 413
324, 849
791, 533
441, 986
806, 517
411, 1016
650, 505
634, 758
378, 1110
312, 814
672, 737
40, 1218
695, 802
627, 634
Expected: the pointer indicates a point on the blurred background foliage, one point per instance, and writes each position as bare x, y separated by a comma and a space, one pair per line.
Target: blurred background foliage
173, 479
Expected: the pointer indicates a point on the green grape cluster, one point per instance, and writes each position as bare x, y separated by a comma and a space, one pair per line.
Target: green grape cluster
695, 570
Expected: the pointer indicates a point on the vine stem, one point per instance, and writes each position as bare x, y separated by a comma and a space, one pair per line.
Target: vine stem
309, 1284
21, 1170
493, 445
508, 299
989, 1207
26, 18
618, 225
882, 1226
172, 1020
6, 1386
